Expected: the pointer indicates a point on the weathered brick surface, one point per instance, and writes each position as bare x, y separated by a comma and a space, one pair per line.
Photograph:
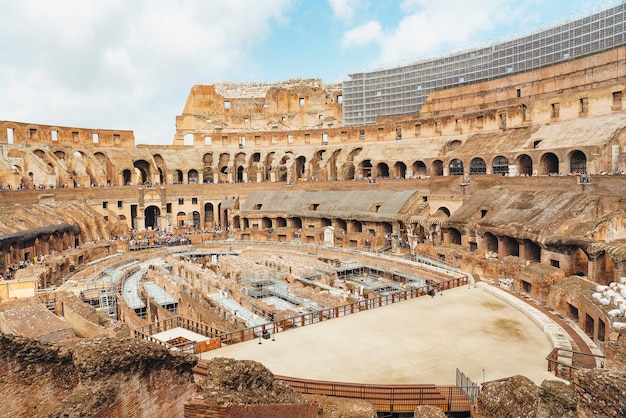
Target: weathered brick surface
198, 409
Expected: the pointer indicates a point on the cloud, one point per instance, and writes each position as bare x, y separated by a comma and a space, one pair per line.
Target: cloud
363, 35
427, 27
123, 65
343, 9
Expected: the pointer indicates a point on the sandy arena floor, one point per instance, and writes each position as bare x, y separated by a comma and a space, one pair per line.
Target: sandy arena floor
421, 340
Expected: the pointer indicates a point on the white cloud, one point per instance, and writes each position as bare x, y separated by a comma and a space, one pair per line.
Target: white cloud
429, 27
362, 35
122, 65
343, 9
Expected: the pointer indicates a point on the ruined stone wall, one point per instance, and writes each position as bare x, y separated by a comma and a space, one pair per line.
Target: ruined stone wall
255, 108
28, 133
578, 88
103, 377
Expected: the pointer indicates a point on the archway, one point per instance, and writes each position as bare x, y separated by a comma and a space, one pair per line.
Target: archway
478, 166
524, 165
437, 168
126, 175
452, 236
490, 242
196, 219
456, 167
240, 171
382, 170
181, 219
578, 162
145, 174
549, 164
192, 177
500, 166
443, 211
419, 169
177, 177
208, 215
366, 168
300, 167
152, 217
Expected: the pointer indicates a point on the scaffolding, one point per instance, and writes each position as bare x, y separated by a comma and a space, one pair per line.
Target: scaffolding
108, 302
404, 89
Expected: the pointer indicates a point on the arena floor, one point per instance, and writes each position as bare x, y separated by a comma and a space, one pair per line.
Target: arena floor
421, 340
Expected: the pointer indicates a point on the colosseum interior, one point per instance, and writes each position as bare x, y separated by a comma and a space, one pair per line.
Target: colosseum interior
267, 198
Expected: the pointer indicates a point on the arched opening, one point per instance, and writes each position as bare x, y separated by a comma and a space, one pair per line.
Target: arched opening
500, 166
442, 212
419, 169
366, 168
181, 219
452, 236
223, 167
126, 176
192, 177
382, 170
152, 217
266, 223
300, 167
437, 168
532, 250
399, 169
524, 165
207, 170
510, 246
144, 174
161, 167
340, 225
456, 167
580, 265
296, 222
549, 164
491, 243
452, 145
208, 215
578, 162
177, 177
478, 166
281, 222
195, 216
325, 222
240, 171
348, 171
387, 228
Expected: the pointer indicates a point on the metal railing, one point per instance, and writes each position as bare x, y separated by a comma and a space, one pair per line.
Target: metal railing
310, 318
565, 368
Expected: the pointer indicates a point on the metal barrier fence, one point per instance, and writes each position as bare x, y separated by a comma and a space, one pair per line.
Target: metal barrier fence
471, 388
337, 312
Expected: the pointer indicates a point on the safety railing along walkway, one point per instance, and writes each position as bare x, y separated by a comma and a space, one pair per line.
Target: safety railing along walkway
385, 398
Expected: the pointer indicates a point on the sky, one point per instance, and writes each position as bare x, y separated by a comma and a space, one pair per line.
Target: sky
130, 65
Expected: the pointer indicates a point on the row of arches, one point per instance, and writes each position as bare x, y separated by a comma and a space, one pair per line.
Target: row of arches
323, 165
